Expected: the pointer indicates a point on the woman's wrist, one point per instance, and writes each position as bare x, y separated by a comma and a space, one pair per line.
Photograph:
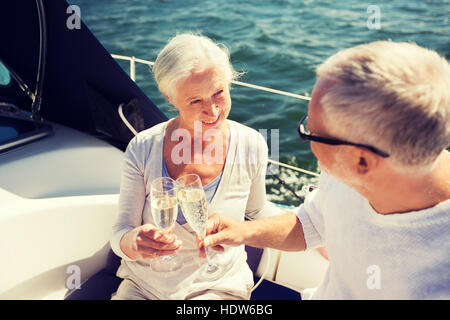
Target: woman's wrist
126, 245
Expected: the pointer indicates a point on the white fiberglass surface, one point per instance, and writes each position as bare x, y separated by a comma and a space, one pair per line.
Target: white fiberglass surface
67, 163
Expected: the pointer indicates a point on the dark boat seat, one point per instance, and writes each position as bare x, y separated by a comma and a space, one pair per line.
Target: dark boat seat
105, 282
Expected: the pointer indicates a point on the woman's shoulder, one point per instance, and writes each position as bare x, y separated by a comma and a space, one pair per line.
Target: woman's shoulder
139, 148
148, 135
146, 139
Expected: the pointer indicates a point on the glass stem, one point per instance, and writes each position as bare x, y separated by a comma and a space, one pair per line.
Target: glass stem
212, 267
207, 257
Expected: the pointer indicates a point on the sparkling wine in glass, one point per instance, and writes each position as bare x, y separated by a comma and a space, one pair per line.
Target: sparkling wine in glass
164, 208
193, 204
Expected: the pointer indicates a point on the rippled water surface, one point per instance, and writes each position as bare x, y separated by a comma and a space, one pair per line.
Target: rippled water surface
277, 44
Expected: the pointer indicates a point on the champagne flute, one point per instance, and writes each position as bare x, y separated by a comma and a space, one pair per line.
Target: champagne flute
164, 208
193, 204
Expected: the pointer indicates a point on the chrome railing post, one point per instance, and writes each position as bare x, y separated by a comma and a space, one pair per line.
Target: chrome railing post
133, 68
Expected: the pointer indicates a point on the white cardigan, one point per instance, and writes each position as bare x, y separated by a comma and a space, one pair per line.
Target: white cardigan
241, 192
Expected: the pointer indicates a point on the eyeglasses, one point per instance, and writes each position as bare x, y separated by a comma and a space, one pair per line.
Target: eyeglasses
305, 135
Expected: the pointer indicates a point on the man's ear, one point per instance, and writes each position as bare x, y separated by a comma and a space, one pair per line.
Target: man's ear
366, 162
362, 166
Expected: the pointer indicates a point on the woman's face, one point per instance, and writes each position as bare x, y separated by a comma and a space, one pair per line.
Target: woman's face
203, 97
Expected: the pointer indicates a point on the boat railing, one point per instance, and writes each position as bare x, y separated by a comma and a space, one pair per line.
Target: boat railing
133, 60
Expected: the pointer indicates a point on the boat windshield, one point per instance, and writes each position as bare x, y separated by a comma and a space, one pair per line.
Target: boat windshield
11, 128
17, 127
5, 77
16, 131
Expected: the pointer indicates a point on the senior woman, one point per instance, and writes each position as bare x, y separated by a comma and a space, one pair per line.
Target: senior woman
194, 74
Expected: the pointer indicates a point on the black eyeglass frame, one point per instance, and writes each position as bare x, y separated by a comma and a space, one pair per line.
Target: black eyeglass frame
331, 141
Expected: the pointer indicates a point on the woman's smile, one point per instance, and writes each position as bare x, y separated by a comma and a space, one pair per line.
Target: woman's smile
211, 123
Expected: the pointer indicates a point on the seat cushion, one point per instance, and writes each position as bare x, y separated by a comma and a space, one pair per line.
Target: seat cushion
112, 263
268, 290
253, 257
98, 287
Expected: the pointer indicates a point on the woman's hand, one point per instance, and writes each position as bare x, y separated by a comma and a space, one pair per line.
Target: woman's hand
148, 242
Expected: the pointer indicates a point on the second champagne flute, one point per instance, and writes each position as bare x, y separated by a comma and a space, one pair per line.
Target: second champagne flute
193, 204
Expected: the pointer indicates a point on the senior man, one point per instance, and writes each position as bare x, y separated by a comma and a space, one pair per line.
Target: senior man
379, 125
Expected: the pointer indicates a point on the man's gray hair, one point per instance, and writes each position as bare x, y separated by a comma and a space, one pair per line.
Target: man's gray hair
186, 53
394, 96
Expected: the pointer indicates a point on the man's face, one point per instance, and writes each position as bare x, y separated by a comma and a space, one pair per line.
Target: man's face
354, 166
317, 125
344, 162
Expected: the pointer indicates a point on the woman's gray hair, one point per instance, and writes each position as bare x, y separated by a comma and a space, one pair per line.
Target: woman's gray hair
185, 53
394, 96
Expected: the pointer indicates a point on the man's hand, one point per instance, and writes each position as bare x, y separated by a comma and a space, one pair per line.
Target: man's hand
221, 230
282, 232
